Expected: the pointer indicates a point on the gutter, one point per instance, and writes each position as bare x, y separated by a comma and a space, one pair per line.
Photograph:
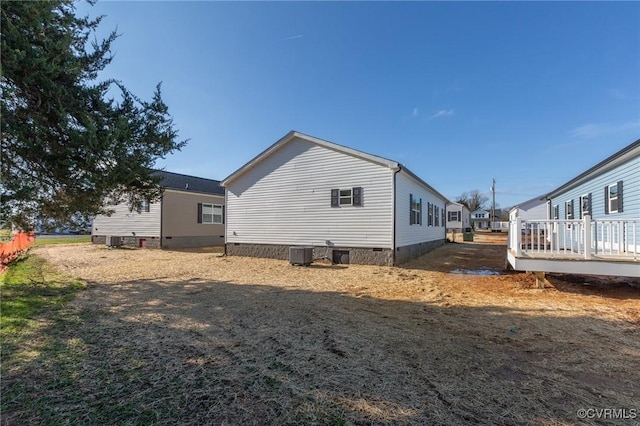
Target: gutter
225, 215
161, 215
395, 173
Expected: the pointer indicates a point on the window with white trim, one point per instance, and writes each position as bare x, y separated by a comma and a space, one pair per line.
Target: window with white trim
556, 211
454, 216
613, 198
585, 205
211, 213
346, 197
568, 209
437, 216
143, 206
415, 214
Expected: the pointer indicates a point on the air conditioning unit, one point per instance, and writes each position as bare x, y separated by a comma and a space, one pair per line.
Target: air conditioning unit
301, 255
113, 241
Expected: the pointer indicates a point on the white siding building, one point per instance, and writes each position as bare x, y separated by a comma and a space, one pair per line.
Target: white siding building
458, 216
349, 205
533, 209
480, 219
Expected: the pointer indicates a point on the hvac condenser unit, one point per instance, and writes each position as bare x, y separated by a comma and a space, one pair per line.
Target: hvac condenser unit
113, 241
301, 255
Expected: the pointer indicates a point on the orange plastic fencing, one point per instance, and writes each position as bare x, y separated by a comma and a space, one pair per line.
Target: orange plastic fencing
11, 250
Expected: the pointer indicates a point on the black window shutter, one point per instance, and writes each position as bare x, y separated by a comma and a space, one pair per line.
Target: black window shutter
357, 196
199, 212
580, 209
433, 214
590, 210
430, 218
606, 200
335, 195
420, 213
620, 197
223, 208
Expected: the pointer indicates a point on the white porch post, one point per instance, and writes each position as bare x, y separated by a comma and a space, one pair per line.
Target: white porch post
621, 239
517, 235
587, 236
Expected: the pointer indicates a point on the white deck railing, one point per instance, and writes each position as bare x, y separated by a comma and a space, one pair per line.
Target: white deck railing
583, 238
500, 226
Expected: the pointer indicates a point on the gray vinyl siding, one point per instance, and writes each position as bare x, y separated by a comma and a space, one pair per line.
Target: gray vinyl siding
125, 223
286, 199
406, 233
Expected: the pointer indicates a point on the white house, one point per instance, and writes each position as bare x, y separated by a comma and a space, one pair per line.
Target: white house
189, 214
350, 206
458, 216
592, 225
533, 209
480, 219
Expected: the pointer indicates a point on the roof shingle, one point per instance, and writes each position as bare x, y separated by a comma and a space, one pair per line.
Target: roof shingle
187, 183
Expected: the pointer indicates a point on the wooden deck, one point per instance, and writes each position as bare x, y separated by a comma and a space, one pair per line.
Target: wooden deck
579, 246
575, 264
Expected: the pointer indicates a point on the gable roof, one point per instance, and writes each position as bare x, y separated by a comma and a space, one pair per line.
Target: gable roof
453, 203
625, 154
529, 203
292, 135
185, 183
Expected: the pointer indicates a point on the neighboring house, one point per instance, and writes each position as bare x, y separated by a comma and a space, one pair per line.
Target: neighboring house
592, 224
535, 208
189, 214
352, 207
458, 217
480, 219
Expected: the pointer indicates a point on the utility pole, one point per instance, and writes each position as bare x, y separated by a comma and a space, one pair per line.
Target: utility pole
493, 205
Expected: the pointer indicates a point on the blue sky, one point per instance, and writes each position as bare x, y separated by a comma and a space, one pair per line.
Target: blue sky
530, 94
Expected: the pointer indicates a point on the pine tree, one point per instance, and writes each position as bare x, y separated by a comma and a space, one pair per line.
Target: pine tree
68, 150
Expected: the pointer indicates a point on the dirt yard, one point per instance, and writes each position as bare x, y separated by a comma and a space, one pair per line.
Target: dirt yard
193, 337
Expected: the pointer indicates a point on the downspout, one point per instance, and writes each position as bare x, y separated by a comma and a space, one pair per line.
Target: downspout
161, 215
394, 213
226, 220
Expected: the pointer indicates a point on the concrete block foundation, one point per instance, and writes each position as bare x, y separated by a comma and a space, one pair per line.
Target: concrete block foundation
361, 256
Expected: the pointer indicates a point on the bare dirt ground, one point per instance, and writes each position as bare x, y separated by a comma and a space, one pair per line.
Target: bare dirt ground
194, 337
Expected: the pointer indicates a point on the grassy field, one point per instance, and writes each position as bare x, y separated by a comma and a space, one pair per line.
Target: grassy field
40, 241
194, 337
33, 296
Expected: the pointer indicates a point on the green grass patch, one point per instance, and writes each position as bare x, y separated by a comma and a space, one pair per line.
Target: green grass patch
33, 319
66, 240
29, 289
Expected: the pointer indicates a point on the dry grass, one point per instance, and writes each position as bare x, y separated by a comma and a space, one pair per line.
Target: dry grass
193, 337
